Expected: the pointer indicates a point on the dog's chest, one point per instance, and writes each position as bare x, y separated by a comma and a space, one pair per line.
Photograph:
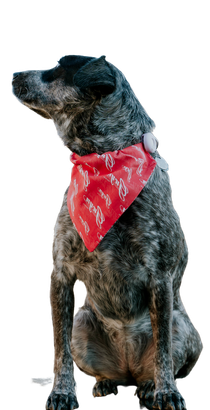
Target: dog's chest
117, 291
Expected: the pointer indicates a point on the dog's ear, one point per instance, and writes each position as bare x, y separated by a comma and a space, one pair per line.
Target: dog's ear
97, 76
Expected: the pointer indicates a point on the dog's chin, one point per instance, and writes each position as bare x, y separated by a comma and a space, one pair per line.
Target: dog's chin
41, 112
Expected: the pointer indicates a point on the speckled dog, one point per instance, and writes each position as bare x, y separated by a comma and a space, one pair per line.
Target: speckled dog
133, 328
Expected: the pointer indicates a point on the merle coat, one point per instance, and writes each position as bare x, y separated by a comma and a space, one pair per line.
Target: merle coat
133, 328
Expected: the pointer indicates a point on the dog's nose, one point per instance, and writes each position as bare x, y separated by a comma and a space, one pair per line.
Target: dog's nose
15, 75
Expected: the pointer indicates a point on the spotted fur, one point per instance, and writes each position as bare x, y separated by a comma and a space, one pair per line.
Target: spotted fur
133, 328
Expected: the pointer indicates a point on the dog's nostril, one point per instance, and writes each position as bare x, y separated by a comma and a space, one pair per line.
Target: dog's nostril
15, 75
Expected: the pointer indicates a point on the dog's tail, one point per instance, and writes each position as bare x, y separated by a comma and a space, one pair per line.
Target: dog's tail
42, 381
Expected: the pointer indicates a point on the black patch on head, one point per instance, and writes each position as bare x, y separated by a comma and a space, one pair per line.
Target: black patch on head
74, 62
67, 68
87, 73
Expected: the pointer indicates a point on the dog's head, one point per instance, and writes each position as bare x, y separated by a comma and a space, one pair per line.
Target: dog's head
90, 101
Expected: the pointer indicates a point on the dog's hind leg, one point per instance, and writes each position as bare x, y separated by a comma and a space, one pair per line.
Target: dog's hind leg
99, 352
187, 345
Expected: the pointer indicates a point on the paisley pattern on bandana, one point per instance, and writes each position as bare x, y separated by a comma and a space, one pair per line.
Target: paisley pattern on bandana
103, 186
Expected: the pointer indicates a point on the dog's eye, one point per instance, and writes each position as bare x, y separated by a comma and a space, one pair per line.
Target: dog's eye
50, 75
47, 76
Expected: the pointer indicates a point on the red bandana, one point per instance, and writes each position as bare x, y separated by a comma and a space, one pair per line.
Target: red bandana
103, 186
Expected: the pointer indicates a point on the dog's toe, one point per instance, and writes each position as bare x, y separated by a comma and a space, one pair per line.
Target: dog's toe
104, 387
146, 390
169, 401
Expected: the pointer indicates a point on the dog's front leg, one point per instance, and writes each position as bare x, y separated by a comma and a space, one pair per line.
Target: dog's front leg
161, 311
63, 395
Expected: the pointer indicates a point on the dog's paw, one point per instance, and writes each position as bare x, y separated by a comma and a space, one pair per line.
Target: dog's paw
61, 402
104, 387
145, 390
169, 400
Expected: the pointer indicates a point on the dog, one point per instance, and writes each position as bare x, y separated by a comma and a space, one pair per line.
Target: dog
133, 328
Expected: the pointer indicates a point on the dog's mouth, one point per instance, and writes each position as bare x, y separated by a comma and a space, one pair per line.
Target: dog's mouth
41, 112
